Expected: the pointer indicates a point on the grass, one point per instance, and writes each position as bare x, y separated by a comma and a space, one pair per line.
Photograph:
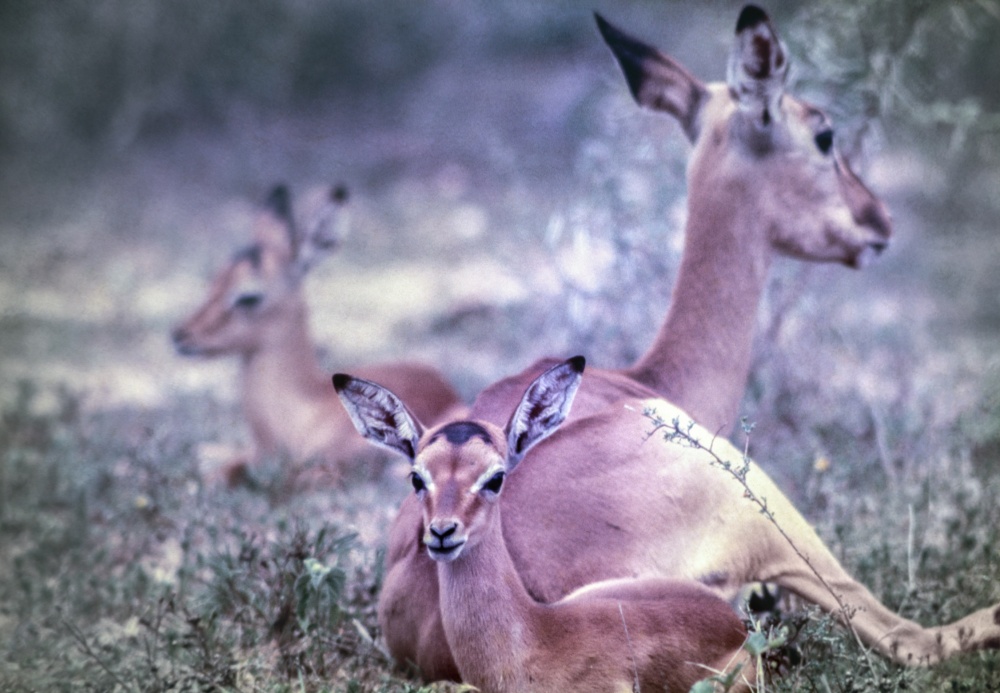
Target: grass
123, 573
120, 571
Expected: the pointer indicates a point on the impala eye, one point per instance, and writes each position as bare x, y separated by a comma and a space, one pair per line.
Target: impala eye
824, 140
418, 482
248, 301
495, 482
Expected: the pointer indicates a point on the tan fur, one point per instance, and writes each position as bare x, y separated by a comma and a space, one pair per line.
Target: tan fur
649, 634
751, 197
742, 211
667, 635
286, 396
597, 501
600, 500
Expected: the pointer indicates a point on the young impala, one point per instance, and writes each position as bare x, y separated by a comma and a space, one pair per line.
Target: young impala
652, 634
256, 310
764, 178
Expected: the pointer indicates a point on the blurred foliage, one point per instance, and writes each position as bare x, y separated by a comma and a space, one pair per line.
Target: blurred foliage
107, 71
926, 67
110, 70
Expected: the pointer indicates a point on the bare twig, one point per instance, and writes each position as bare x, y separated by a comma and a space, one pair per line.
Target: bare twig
674, 432
884, 455
81, 641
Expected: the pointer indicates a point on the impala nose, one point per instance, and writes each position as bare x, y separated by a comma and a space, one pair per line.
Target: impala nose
444, 540
443, 532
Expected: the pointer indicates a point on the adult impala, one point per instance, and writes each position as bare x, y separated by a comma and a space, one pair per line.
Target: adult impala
256, 310
625, 635
764, 177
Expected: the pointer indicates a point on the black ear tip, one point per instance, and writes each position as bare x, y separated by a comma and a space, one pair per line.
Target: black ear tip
340, 381
750, 17
604, 26
339, 193
577, 363
279, 200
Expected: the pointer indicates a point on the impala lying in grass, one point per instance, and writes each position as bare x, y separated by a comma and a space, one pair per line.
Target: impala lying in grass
256, 311
650, 634
598, 500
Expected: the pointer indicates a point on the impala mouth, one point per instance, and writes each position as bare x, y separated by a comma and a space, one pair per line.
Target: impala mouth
187, 349
183, 344
446, 552
868, 254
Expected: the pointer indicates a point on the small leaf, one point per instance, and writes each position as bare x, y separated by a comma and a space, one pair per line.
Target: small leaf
756, 644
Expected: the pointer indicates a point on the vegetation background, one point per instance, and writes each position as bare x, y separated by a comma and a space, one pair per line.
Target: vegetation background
508, 201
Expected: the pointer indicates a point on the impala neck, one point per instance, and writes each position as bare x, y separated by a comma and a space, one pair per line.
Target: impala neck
701, 356
487, 614
283, 371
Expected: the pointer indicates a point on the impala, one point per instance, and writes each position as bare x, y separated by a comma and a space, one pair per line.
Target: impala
764, 179
256, 310
627, 635
596, 502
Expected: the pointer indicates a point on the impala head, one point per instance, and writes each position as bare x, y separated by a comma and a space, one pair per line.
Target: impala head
759, 152
458, 469
260, 285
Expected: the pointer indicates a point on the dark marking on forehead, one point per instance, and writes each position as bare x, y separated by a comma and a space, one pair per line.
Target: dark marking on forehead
251, 254
461, 432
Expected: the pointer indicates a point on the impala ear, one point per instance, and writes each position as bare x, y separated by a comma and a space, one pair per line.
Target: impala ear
320, 224
757, 67
379, 415
544, 406
655, 80
273, 227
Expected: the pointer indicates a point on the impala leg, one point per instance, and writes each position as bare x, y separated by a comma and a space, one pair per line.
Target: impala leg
800, 562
